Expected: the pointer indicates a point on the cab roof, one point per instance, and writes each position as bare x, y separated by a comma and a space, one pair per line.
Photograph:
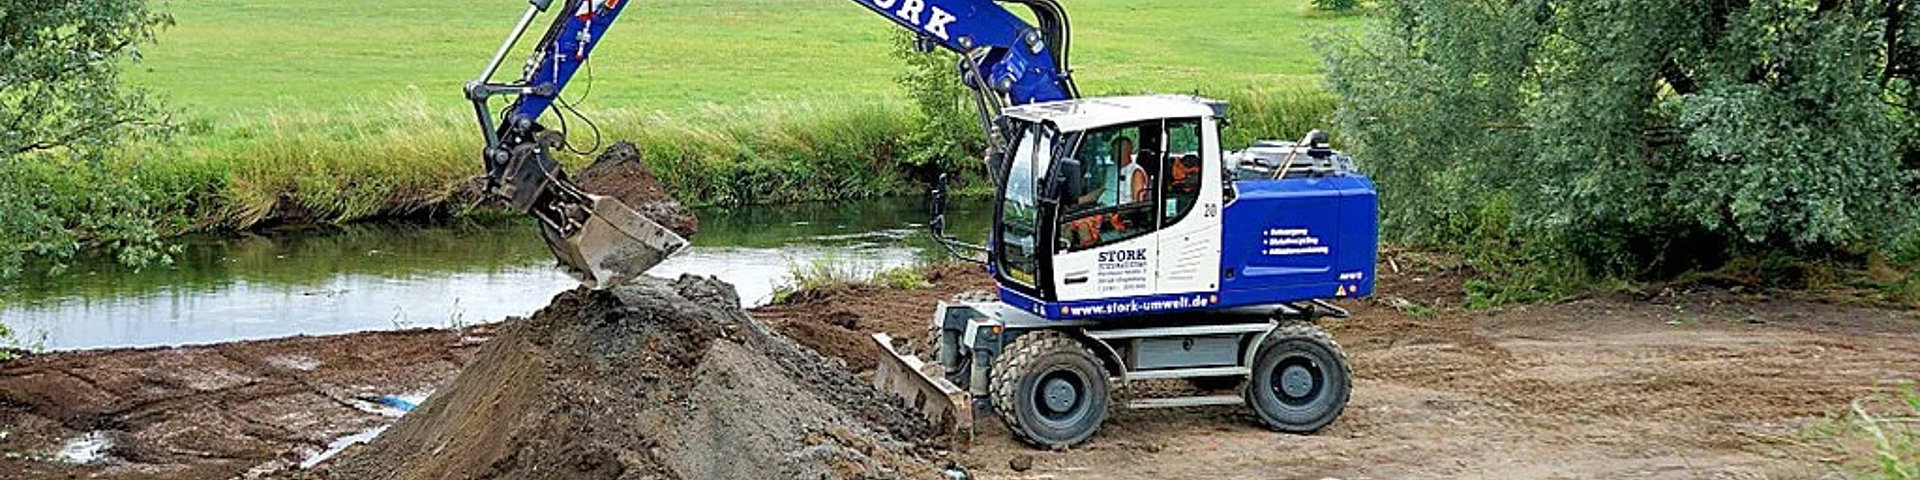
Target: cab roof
1085, 113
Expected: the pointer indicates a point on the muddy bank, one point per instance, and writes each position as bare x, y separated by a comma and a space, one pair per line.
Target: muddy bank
838, 321
215, 411
661, 379
1676, 383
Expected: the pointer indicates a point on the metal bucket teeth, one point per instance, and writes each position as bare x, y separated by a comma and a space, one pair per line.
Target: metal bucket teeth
614, 245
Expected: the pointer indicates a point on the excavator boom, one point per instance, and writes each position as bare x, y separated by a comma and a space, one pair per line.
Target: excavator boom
602, 242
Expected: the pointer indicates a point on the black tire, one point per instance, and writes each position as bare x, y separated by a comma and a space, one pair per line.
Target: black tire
1050, 390
1300, 380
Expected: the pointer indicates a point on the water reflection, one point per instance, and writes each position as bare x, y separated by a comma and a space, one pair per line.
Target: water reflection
316, 282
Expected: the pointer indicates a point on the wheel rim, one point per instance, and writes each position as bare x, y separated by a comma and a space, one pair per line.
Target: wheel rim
1298, 381
1060, 397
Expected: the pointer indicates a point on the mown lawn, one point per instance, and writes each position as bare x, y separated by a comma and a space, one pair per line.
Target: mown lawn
243, 58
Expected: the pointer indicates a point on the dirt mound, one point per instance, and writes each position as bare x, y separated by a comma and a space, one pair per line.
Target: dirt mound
663, 379
839, 320
620, 173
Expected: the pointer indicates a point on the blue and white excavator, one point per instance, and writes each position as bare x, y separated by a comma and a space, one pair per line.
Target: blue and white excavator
1132, 254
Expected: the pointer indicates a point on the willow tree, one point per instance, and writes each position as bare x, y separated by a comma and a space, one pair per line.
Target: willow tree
63, 110
1625, 135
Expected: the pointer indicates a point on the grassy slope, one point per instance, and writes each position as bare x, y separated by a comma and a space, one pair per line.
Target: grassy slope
247, 57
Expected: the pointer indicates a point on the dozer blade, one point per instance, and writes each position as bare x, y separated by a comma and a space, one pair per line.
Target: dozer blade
612, 244
947, 406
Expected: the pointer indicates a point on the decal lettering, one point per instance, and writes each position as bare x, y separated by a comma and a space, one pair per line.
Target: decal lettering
1281, 242
915, 13
910, 11
1122, 271
1139, 305
938, 25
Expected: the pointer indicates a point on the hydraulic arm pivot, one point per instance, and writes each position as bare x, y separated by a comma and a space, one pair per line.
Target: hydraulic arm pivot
599, 240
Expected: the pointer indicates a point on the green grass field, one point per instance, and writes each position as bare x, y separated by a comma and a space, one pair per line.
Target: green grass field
350, 109
248, 57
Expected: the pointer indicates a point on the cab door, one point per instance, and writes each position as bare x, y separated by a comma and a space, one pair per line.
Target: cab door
1189, 208
1104, 245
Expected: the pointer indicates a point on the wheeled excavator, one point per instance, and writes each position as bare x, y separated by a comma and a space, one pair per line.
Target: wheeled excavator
1134, 257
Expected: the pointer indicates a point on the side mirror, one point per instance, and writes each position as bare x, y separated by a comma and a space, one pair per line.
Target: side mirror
1065, 184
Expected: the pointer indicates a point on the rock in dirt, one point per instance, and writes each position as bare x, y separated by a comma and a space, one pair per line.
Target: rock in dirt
661, 379
1020, 463
620, 173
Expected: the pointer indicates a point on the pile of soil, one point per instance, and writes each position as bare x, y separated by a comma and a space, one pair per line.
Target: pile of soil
661, 379
840, 320
620, 173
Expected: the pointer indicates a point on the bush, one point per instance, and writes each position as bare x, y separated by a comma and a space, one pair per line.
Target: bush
67, 112
1630, 137
945, 129
1336, 5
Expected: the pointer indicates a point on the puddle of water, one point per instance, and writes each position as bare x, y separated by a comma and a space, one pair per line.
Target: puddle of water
86, 449
391, 277
340, 445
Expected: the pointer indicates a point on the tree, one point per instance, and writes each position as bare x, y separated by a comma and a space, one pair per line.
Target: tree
63, 110
946, 133
1625, 134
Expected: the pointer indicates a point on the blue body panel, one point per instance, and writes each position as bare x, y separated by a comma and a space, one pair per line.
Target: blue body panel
1282, 241
1299, 239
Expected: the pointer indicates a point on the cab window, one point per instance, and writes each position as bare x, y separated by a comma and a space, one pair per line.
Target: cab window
1115, 197
1180, 173
1019, 217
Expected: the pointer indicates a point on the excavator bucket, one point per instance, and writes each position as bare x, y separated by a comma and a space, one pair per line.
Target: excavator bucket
612, 244
597, 239
924, 387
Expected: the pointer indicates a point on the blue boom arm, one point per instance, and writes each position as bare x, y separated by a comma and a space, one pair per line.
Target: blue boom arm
1017, 59
1005, 61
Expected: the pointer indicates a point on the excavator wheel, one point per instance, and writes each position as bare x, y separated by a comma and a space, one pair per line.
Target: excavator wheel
1050, 390
1300, 379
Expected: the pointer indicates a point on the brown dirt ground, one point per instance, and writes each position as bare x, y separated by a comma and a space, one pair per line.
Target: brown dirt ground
1685, 382
214, 411
1682, 383
838, 321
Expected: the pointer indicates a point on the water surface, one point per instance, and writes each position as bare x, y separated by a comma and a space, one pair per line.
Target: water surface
369, 277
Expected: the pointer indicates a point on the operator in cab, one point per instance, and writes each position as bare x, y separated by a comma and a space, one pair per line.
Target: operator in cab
1116, 180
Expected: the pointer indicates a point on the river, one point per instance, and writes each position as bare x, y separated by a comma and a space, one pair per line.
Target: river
316, 281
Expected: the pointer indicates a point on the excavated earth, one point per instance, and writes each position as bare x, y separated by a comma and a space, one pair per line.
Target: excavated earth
619, 173
662, 379
1684, 382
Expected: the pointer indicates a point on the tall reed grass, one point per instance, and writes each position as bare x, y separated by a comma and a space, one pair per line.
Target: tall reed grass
407, 158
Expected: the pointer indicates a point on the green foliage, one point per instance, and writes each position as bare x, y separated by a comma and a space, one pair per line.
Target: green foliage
946, 130
1336, 5
1549, 139
1879, 445
838, 272
65, 112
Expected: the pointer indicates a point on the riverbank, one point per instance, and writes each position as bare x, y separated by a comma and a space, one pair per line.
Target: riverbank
1685, 381
408, 161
